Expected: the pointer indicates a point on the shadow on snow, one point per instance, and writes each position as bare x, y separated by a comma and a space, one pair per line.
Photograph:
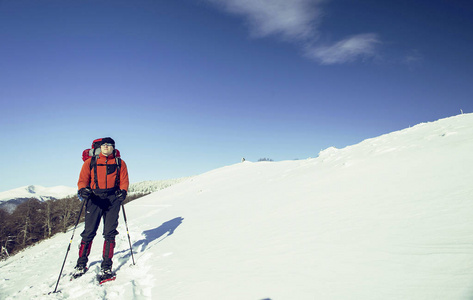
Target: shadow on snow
154, 234
150, 236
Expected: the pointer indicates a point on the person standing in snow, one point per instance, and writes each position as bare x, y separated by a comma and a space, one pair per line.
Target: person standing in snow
103, 184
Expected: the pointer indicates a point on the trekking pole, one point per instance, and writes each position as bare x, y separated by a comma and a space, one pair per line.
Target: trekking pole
128, 233
70, 242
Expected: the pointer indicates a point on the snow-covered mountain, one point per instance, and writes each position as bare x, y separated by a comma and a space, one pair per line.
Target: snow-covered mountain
9, 200
388, 218
38, 192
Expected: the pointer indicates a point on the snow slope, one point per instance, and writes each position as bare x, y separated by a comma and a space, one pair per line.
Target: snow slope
388, 218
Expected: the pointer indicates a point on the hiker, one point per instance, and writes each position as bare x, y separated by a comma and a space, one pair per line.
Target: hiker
103, 184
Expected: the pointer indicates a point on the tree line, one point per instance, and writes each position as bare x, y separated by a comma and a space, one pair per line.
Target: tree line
33, 221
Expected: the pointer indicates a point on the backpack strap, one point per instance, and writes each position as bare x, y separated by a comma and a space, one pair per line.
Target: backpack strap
117, 178
93, 164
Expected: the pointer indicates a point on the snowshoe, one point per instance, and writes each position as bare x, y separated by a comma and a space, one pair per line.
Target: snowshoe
106, 275
79, 271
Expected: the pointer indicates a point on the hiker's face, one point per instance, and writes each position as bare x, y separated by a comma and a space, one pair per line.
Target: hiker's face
106, 149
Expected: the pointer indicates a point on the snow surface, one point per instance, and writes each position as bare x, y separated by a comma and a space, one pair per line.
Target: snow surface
388, 218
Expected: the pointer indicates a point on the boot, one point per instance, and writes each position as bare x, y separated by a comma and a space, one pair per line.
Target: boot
106, 275
79, 271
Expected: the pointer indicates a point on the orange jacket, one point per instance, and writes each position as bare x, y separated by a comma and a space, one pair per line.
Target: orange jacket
105, 181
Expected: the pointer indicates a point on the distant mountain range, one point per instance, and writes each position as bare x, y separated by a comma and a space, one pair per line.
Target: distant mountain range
9, 200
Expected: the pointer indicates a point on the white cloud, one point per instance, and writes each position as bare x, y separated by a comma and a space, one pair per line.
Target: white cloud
287, 19
347, 50
298, 21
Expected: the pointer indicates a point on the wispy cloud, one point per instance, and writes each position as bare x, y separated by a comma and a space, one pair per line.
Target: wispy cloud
350, 49
288, 19
298, 21
413, 58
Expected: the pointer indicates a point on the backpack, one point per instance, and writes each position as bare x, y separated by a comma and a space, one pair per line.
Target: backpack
94, 152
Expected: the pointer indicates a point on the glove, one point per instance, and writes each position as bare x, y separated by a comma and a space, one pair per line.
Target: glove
85, 193
121, 195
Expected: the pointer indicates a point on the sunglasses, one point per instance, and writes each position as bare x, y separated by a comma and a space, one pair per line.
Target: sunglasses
107, 144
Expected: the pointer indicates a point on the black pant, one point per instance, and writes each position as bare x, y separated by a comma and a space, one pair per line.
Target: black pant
103, 204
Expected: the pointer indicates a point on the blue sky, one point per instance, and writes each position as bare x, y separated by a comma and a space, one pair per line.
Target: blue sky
188, 86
